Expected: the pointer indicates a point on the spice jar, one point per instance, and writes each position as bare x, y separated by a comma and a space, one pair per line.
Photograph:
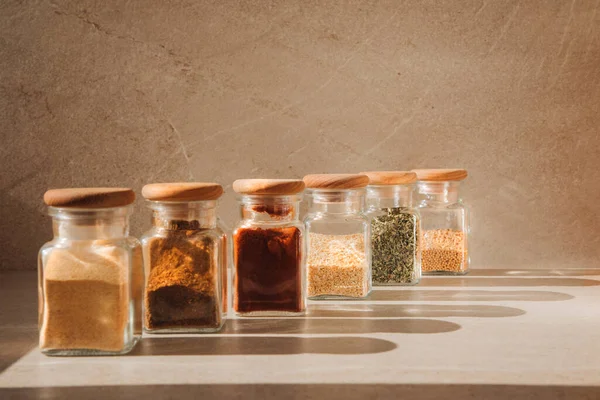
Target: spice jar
184, 257
395, 226
268, 249
339, 236
90, 275
444, 222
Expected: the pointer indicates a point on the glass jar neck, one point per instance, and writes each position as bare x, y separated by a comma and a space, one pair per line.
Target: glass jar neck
442, 192
90, 224
184, 216
269, 208
390, 196
349, 201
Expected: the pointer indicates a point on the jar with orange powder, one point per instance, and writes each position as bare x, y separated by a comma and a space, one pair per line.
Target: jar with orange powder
185, 259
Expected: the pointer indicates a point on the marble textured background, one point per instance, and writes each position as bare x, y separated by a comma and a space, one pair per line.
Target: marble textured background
123, 93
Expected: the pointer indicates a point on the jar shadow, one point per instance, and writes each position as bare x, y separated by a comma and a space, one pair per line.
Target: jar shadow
258, 345
337, 326
467, 295
535, 272
493, 281
411, 310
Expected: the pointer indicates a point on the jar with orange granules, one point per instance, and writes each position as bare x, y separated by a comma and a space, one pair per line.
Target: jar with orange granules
444, 222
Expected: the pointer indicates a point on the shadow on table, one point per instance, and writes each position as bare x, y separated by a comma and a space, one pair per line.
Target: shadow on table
18, 315
15, 342
337, 326
267, 345
466, 295
411, 310
344, 391
535, 272
474, 281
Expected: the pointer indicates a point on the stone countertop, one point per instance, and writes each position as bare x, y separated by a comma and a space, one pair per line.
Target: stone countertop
494, 334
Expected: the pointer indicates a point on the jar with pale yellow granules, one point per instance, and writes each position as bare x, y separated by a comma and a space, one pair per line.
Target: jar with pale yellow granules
339, 237
444, 222
90, 275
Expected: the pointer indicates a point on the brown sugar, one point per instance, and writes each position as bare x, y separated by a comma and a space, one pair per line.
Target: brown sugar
86, 298
182, 288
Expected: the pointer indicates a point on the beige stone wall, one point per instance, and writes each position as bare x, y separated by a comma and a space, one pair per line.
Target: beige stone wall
124, 93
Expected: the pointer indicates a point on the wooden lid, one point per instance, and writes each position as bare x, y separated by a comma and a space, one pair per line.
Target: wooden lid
336, 181
182, 191
390, 177
433, 175
89, 197
268, 186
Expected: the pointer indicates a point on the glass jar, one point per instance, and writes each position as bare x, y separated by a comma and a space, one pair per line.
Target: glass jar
444, 222
90, 275
268, 249
339, 237
395, 226
184, 257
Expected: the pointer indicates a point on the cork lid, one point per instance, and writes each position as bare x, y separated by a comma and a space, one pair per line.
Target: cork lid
89, 197
390, 177
182, 191
336, 181
437, 175
268, 186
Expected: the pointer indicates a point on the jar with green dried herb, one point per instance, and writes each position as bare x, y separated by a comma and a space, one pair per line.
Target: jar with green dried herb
395, 225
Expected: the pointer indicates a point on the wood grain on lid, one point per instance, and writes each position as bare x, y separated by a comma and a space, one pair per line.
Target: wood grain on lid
336, 181
441, 174
268, 186
182, 191
89, 197
390, 177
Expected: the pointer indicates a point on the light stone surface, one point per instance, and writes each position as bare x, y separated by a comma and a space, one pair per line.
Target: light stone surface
126, 93
494, 335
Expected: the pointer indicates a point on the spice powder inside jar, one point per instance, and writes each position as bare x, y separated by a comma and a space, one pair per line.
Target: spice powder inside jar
268, 270
86, 299
181, 290
337, 265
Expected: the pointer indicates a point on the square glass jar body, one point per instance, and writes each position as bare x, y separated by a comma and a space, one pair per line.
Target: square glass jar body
395, 235
90, 284
444, 229
269, 270
185, 268
339, 245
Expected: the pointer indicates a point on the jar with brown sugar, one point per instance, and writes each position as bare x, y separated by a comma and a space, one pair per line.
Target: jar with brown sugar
185, 259
268, 249
90, 275
444, 222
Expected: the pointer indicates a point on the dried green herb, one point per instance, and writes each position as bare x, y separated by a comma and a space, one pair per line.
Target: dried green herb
394, 244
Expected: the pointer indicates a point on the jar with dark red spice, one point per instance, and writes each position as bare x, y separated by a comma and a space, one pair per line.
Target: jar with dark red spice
268, 249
